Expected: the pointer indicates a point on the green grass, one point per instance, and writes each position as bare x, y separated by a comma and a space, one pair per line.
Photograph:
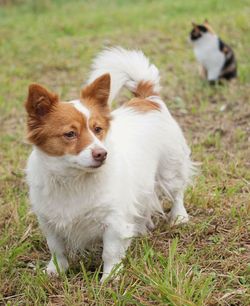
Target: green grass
203, 263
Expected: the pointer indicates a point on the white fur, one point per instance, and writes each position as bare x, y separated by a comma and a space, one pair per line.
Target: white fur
147, 156
126, 67
207, 52
79, 106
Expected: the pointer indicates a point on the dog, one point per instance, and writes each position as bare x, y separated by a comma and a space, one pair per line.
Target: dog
100, 175
217, 59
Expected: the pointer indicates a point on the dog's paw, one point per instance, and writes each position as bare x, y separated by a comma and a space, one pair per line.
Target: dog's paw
104, 277
114, 279
52, 269
178, 218
114, 275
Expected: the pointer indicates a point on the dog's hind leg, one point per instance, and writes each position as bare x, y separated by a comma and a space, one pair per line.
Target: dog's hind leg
173, 185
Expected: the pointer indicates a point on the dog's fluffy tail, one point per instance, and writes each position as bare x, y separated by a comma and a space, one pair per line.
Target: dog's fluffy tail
127, 68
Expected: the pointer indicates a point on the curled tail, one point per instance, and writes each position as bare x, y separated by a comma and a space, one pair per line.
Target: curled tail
127, 68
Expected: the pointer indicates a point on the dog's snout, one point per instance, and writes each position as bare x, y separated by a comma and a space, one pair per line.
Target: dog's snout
99, 154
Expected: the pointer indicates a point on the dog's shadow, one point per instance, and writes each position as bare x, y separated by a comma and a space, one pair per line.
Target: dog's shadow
89, 263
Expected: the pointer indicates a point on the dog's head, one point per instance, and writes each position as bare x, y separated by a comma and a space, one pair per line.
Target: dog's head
200, 31
73, 132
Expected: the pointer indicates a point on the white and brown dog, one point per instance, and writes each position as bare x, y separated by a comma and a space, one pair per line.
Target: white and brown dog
96, 175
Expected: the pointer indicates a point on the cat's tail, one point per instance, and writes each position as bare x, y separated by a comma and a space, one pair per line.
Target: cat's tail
127, 68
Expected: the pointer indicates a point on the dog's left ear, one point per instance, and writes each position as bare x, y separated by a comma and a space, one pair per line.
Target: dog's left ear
98, 90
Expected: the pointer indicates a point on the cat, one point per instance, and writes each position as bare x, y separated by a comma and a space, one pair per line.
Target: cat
217, 59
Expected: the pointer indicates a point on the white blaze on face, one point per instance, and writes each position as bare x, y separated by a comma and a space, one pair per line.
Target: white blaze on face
81, 108
85, 159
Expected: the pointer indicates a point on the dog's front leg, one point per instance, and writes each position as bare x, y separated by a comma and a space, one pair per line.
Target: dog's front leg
57, 250
116, 240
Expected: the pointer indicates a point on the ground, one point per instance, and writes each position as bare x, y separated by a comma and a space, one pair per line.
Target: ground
205, 262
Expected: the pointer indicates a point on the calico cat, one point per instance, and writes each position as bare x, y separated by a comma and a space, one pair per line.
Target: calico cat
216, 58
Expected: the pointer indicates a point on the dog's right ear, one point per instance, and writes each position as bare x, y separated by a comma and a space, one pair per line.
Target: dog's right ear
98, 90
40, 101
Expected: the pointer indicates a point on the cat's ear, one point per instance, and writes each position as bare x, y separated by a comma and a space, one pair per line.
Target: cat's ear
208, 26
195, 25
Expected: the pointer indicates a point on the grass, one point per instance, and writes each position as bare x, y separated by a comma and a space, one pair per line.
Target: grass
203, 263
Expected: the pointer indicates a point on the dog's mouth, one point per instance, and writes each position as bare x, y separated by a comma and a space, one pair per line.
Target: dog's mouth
97, 165
88, 168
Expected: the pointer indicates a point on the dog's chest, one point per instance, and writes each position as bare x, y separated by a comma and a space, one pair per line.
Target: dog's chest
72, 211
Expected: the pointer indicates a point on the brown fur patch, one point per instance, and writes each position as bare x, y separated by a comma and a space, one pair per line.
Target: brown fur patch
100, 117
47, 129
49, 134
143, 105
140, 102
196, 28
145, 89
95, 97
97, 93
225, 50
40, 101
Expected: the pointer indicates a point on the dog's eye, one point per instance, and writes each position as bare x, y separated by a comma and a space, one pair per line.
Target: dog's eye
97, 129
70, 135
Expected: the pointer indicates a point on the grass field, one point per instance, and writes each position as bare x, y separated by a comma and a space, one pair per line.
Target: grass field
203, 263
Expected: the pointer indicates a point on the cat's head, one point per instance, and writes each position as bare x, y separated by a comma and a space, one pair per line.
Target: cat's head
201, 30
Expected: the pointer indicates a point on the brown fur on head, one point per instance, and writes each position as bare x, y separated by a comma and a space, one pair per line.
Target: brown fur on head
95, 97
59, 128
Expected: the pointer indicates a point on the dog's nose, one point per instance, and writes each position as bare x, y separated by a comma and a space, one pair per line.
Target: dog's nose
99, 154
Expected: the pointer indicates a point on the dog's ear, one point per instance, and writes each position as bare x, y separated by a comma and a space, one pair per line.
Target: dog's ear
98, 90
40, 101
